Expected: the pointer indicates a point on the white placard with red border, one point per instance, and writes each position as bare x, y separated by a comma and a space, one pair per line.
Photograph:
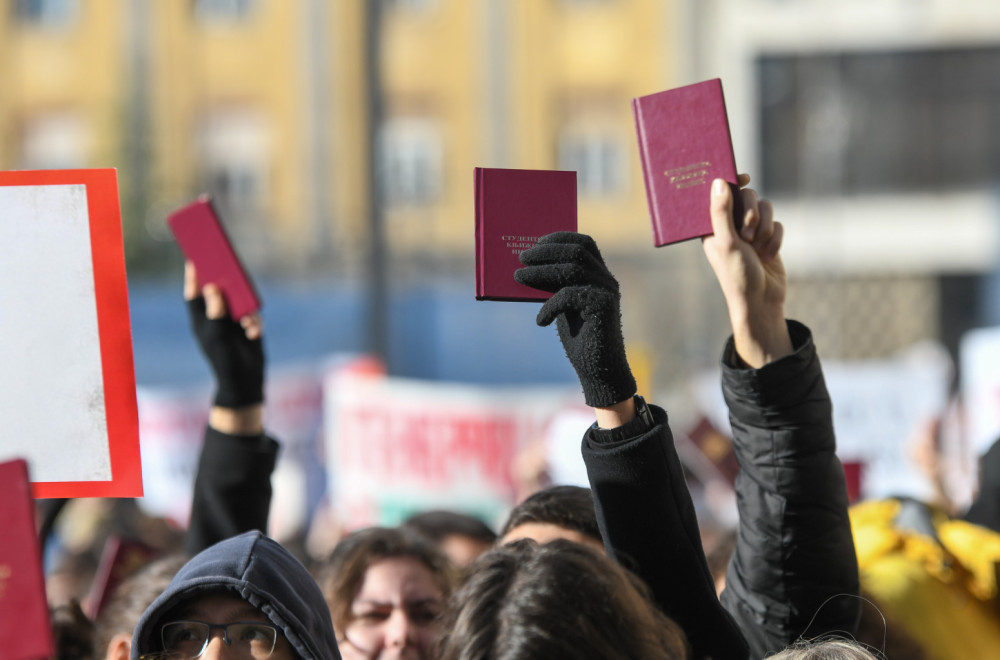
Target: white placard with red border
67, 386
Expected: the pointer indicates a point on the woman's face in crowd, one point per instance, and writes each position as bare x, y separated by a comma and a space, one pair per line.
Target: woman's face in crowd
395, 612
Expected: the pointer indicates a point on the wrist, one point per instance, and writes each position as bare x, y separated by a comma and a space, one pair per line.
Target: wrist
247, 420
618, 414
761, 338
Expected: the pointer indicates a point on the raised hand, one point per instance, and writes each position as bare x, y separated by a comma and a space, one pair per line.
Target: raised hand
586, 308
750, 272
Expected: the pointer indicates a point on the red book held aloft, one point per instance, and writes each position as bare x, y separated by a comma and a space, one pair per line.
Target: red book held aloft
204, 242
684, 144
514, 208
25, 631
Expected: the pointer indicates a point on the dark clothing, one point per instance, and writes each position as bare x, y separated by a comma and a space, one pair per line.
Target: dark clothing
985, 509
232, 490
649, 526
794, 548
261, 572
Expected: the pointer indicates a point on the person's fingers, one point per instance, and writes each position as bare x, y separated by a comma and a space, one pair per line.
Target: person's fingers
765, 228
770, 250
564, 300
190, 281
253, 326
743, 180
751, 214
721, 207
555, 276
215, 303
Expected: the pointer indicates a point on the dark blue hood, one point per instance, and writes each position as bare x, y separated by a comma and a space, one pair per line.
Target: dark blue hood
262, 573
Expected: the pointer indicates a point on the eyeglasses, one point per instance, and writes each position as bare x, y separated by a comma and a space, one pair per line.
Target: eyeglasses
189, 639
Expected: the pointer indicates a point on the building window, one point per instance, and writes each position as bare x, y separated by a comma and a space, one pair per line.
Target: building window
879, 122
409, 162
234, 155
598, 158
223, 11
47, 13
54, 141
409, 5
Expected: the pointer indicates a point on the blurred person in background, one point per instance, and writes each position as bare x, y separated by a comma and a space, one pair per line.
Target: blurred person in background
459, 536
565, 512
794, 549
386, 589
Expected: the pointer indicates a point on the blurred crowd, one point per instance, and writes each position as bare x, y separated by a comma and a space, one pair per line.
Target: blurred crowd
618, 570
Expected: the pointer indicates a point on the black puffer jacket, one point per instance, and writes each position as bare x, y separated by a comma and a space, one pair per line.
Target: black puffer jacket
261, 572
794, 549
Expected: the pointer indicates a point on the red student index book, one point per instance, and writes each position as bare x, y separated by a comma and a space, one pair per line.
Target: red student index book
684, 143
514, 208
204, 242
25, 631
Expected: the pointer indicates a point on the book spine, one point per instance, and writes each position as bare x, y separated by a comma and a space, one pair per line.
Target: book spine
646, 174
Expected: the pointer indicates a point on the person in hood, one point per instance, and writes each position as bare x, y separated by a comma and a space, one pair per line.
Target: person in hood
245, 597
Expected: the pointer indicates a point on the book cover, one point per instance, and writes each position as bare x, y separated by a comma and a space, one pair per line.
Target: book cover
25, 630
62, 233
514, 208
204, 242
119, 559
684, 143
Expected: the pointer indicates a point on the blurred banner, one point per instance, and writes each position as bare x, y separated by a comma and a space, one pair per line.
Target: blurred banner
172, 424
979, 357
398, 446
879, 409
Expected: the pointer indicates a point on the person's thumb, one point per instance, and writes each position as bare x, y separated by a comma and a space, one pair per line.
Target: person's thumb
215, 303
721, 207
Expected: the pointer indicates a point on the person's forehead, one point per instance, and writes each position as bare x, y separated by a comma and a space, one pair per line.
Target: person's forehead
219, 608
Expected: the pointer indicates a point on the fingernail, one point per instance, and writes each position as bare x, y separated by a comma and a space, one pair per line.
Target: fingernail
717, 186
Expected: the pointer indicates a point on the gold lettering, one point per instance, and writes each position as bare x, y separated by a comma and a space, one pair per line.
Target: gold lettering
690, 184
687, 168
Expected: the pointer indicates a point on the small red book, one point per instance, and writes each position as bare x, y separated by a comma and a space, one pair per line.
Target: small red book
514, 208
684, 143
120, 558
204, 242
25, 630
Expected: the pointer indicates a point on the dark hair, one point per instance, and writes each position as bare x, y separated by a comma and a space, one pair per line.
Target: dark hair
570, 507
341, 575
72, 632
131, 598
438, 525
527, 601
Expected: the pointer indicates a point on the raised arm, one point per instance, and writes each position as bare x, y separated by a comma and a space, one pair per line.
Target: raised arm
794, 571
232, 491
643, 506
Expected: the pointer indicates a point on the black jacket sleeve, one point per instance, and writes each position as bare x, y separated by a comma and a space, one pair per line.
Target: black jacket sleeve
794, 550
648, 522
232, 489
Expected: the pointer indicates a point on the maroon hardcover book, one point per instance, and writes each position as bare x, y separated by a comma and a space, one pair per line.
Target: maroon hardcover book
120, 558
684, 143
204, 242
514, 208
25, 631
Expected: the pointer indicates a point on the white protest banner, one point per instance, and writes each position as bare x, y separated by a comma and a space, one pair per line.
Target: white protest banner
979, 356
399, 446
67, 387
878, 408
172, 424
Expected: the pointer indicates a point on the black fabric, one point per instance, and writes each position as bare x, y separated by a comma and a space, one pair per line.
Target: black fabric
586, 308
985, 509
648, 523
236, 362
794, 550
232, 489
261, 572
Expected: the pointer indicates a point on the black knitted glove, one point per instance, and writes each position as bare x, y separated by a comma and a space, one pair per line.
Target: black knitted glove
237, 362
586, 309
